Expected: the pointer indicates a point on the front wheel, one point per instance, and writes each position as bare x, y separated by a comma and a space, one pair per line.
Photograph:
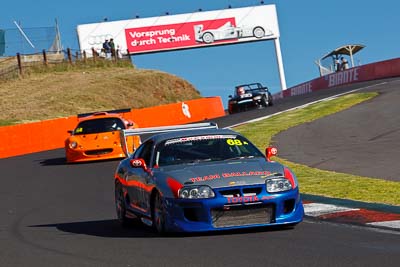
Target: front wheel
208, 38
264, 101
270, 102
159, 214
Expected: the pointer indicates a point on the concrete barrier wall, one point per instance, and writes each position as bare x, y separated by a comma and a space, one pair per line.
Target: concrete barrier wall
373, 71
50, 134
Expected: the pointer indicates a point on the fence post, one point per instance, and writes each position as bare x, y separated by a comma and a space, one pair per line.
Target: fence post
69, 55
117, 54
44, 57
84, 56
94, 54
19, 63
129, 55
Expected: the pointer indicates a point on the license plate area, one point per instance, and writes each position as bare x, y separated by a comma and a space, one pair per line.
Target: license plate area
242, 215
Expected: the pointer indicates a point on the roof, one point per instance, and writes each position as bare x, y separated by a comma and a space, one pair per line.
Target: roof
170, 135
349, 50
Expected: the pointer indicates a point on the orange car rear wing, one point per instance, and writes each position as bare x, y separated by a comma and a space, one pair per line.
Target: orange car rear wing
162, 129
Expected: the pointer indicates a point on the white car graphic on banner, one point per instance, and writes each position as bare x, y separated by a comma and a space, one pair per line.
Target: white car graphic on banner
183, 31
229, 31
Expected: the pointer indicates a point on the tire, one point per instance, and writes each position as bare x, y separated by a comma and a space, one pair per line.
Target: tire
208, 37
120, 206
270, 102
258, 32
232, 110
264, 101
159, 214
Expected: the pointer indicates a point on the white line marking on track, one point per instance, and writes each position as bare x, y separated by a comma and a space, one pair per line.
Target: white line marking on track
390, 224
318, 209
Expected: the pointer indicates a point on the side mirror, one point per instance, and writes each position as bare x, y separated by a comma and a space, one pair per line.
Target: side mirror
230, 96
70, 132
129, 124
139, 163
270, 152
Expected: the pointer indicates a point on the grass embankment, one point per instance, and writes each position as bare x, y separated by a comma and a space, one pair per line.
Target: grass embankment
64, 90
320, 182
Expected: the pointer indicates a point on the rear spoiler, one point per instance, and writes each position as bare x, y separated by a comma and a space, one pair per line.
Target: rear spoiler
162, 129
114, 111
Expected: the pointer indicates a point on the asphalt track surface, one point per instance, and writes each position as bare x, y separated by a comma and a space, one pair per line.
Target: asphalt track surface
53, 214
363, 140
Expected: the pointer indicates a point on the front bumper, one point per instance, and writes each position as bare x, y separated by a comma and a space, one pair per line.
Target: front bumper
244, 104
80, 155
225, 213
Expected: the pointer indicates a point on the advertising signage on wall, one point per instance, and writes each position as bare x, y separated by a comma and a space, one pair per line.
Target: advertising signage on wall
183, 31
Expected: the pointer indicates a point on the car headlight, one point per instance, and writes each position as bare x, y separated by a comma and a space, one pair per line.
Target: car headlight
278, 184
73, 144
195, 192
257, 97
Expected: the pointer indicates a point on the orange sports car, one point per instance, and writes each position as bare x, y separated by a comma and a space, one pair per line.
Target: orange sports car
97, 137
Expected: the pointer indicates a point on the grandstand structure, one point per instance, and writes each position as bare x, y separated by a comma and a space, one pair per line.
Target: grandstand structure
326, 64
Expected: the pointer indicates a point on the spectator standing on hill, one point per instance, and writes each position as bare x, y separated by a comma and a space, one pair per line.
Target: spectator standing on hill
112, 47
107, 49
119, 52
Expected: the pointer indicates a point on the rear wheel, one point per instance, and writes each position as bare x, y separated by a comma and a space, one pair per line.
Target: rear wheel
120, 206
159, 214
258, 32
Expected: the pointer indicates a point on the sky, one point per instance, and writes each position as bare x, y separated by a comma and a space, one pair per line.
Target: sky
309, 29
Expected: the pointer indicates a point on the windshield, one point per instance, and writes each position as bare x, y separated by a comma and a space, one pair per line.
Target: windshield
99, 126
194, 149
250, 89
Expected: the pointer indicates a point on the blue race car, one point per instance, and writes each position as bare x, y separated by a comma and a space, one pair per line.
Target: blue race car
196, 177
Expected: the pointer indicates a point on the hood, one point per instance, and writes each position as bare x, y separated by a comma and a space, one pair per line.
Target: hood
96, 140
224, 173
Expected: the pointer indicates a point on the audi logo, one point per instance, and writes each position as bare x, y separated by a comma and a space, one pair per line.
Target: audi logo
98, 39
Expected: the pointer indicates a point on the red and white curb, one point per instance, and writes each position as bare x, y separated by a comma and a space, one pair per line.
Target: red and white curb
357, 216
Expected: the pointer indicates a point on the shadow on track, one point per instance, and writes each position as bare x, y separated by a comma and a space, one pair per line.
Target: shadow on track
113, 229
53, 162
63, 161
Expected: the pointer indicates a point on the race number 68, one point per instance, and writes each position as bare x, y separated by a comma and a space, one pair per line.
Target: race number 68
234, 142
